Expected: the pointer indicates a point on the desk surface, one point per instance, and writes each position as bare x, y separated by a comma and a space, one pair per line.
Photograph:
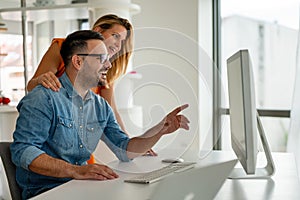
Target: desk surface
283, 185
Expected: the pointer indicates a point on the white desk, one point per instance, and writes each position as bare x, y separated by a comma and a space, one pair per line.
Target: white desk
283, 185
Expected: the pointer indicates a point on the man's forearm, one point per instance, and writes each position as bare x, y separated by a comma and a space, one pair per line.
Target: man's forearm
49, 166
140, 145
172, 122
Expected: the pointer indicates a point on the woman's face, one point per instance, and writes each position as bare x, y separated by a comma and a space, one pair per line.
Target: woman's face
114, 38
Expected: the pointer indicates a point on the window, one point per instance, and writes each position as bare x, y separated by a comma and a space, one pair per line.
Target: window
12, 82
270, 33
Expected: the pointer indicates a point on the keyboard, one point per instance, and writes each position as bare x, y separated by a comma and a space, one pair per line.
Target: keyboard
161, 173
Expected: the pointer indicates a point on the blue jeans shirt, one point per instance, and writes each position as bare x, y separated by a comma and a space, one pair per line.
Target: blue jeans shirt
64, 126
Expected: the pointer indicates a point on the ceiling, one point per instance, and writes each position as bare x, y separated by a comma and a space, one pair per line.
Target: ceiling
17, 3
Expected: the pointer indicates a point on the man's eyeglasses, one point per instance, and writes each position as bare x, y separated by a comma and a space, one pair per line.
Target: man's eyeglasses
103, 57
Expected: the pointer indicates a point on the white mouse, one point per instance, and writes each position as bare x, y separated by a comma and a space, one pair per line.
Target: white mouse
173, 160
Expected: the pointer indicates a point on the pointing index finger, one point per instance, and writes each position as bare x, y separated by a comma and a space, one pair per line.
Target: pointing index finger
178, 109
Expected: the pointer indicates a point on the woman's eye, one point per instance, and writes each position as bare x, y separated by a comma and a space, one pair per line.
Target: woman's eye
116, 36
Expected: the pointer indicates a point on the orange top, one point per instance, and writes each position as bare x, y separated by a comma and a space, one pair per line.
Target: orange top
60, 70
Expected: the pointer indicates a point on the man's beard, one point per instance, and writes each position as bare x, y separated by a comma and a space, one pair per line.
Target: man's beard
103, 78
102, 83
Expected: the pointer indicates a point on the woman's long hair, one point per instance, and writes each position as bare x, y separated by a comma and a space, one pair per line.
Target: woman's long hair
120, 60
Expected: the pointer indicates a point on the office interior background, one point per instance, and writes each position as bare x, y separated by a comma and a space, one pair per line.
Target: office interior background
179, 57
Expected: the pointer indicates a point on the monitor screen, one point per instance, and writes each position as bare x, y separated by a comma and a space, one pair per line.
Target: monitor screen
242, 109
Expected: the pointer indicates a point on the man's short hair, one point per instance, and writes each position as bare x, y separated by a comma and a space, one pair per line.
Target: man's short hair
76, 42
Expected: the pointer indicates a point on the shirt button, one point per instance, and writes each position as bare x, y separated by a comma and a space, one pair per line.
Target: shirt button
80, 126
76, 163
80, 146
70, 125
80, 107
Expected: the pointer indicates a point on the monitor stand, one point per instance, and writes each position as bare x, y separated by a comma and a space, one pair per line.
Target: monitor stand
260, 173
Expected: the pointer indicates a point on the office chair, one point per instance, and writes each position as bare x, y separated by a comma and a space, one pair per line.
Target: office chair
10, 170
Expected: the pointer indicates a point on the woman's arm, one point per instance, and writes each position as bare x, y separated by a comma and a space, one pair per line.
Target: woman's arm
45, 73
108, 95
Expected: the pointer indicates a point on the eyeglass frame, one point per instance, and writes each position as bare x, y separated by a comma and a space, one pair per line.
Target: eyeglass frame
96, 55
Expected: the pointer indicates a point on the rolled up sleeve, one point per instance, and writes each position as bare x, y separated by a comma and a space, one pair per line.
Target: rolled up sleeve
28, 155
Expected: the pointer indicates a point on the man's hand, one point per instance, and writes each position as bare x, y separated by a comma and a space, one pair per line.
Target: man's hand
174, 121
95, 172
49, 166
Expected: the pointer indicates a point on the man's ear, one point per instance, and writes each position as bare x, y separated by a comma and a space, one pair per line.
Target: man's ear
77, 62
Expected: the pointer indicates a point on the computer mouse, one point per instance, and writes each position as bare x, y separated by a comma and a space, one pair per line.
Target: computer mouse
172, 160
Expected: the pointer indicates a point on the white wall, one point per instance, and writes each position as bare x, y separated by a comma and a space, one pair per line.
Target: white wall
166, 55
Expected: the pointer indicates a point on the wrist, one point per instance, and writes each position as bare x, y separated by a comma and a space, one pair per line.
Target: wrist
161, 129
36, 80
72, 171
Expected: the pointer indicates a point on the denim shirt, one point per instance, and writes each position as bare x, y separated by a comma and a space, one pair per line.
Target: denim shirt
64, 126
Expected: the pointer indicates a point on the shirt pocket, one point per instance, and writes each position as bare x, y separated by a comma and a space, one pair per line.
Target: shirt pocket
94, 131
65, 133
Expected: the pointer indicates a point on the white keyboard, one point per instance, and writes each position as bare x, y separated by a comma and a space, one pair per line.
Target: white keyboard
161, 173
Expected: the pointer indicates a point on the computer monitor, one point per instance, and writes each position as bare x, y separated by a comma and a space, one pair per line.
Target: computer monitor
244, 120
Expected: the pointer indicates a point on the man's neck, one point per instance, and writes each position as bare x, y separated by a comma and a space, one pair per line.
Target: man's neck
77, 85
82, 92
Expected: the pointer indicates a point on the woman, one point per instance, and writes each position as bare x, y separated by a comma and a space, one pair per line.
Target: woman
118, 34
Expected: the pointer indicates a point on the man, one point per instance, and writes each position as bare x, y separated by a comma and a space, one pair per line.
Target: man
56, 132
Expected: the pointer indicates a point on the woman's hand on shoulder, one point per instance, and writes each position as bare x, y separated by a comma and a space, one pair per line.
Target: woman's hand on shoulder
49, 80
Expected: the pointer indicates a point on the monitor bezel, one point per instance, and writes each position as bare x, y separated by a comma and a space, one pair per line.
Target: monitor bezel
255, 122
242, 109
